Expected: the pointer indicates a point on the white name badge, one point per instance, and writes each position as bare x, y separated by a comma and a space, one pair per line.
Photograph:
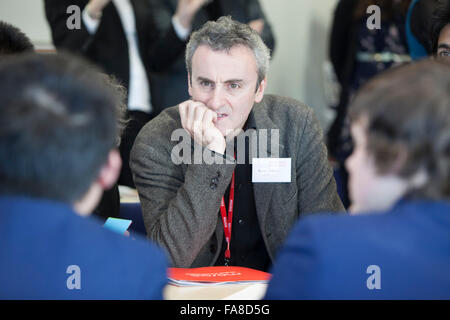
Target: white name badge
271, 170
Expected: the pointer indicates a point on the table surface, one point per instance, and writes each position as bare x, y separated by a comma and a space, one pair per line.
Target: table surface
254, 291
128, 195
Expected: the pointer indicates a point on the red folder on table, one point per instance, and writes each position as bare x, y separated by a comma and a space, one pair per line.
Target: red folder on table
216, 275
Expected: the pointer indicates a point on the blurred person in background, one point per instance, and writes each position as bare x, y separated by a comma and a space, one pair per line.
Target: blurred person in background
440, 30
13, 41
115, 35
357, 54
418, 27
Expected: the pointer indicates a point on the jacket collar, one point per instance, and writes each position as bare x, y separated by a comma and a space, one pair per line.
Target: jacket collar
259, 119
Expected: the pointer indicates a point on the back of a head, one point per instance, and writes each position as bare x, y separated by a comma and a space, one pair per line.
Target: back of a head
13, 41
407, 109
57, 125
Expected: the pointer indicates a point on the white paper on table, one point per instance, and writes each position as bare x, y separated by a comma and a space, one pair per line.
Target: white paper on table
253, 292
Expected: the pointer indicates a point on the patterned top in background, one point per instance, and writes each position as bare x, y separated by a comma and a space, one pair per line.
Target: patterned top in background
377, 51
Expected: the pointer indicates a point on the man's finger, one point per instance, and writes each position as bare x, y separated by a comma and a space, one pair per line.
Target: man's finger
190, 116
199, 112
208, 119
182, 108
198, 122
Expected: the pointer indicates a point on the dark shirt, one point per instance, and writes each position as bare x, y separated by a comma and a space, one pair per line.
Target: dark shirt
214, 10
247, 244
109, 205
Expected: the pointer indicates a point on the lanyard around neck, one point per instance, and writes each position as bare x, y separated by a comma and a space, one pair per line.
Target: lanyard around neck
228, 220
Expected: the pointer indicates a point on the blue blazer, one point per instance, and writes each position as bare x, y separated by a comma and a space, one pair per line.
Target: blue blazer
401, 254
47, 251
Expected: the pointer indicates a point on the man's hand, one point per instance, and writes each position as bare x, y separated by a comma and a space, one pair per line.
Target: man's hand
95, 7
257, 25
186, 10
198, 120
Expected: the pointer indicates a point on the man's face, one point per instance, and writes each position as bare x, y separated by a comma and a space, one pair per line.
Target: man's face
443, 50
226, 83
369, 190
360, 167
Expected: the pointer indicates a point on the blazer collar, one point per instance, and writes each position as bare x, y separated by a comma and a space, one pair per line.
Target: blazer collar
258, 119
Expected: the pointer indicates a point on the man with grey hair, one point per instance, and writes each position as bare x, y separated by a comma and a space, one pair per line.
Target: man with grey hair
208, 207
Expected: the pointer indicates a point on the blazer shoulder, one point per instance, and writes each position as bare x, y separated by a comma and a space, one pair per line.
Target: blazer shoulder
289, 115
162, 125
135, 260
331, 229
276, 103
282, 110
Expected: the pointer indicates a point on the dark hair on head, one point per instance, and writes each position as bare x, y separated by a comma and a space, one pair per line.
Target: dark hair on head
389, 8
12, 40
440, 18
407, 110
421, 22
58, 122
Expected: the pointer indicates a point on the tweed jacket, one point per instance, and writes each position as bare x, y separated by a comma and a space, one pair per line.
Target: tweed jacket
180, 202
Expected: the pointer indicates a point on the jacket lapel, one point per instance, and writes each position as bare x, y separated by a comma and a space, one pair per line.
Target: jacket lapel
263, 192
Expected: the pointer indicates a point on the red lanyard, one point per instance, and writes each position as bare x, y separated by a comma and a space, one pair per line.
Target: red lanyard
228, 220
